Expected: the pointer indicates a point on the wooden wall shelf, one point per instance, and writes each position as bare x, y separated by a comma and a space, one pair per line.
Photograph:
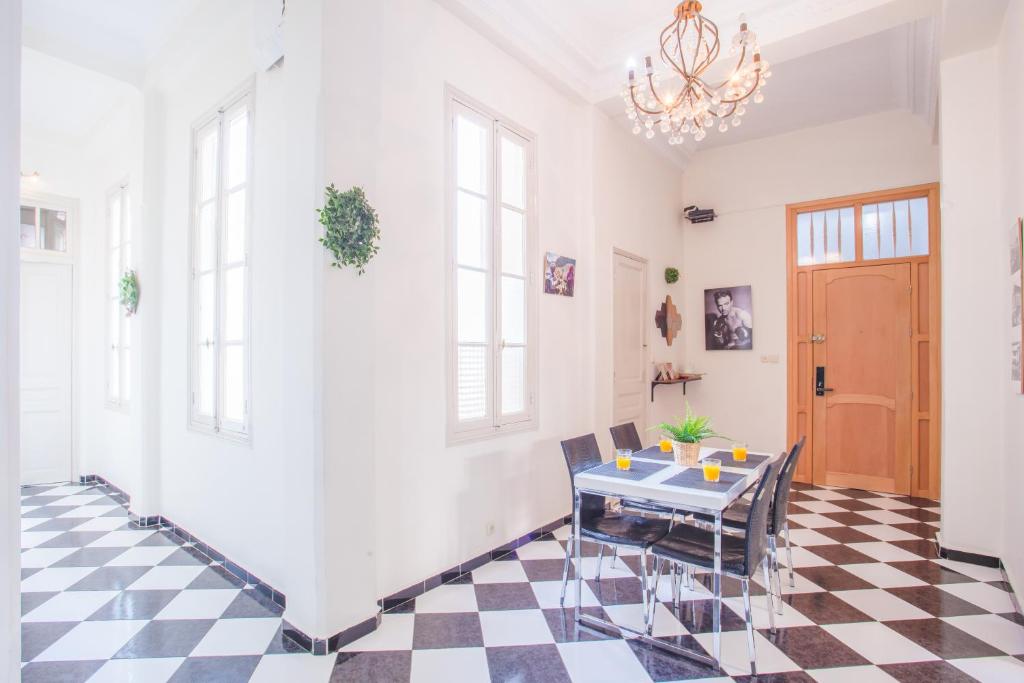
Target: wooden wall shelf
682, 380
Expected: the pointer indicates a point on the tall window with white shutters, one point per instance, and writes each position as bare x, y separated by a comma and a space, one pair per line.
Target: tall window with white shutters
221, 196
119, 325
492, 208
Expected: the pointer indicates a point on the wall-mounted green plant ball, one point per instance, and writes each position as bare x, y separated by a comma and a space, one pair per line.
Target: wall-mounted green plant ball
351, 229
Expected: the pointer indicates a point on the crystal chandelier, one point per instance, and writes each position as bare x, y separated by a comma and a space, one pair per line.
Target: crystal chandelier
682, 102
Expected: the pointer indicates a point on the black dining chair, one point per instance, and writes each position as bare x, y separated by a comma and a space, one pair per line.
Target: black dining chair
736, 515
626, 436
692, 546
600, 525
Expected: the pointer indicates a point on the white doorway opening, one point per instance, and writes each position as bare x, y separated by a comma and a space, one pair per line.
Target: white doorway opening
629, 332
47, 295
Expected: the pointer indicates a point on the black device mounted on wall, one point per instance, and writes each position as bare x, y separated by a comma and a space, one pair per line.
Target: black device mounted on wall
698, 215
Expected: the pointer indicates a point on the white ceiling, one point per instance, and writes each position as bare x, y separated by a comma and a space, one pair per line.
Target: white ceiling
864, 76
831, 59
63, 103
115, 37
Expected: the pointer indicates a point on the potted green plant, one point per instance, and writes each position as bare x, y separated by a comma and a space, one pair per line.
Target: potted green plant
686, 435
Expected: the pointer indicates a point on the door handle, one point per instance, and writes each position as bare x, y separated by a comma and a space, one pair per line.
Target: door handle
819, 381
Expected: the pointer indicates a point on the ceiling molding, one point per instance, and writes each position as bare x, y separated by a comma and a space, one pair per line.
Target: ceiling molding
516, 31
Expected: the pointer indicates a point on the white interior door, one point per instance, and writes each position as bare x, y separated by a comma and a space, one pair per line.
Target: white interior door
629, 403
45, 372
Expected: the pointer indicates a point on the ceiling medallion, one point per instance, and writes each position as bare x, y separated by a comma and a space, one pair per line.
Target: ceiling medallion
681, 102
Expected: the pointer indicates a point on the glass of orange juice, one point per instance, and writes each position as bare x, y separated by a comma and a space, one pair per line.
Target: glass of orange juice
665, 445
712, 469
739, 452
623, 457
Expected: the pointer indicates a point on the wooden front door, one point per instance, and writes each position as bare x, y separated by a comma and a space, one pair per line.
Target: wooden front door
864, 293
861, 408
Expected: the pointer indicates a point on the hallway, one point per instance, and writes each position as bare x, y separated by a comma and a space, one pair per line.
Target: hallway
103, 600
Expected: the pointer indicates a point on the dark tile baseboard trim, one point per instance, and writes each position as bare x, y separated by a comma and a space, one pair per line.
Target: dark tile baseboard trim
395, 599
1013, 594
970, 558
214, 555
319, 646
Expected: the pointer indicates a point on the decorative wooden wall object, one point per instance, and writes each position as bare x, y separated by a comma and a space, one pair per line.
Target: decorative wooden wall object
668, 320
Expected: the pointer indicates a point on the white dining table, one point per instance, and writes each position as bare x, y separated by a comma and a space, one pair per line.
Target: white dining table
685, 499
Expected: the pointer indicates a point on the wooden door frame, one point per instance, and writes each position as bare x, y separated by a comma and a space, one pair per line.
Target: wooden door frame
926, 333
616, 251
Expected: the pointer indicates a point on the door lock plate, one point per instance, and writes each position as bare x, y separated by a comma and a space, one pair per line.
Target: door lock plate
817, 339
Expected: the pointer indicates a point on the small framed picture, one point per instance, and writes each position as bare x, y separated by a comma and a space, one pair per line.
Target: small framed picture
728, 319
559, 274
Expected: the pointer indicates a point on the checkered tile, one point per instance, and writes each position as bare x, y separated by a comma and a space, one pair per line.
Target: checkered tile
105, 602
872, 602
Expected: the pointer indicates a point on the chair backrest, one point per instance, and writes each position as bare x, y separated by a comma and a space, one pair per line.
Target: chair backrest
581, 454
756, 542
625, 436
780, 503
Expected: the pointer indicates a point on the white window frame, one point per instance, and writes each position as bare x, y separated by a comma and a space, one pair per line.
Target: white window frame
112, 299
39, 201
216, 425
494, 424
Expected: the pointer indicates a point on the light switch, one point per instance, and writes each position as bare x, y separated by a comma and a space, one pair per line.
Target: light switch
770, 358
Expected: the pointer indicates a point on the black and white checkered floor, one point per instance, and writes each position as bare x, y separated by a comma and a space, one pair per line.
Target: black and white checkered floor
104, 602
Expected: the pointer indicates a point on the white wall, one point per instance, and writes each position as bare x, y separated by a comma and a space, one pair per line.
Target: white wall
1011, 110
434, 504
975, 367
636, 208
749, 186
230, 495
10, 530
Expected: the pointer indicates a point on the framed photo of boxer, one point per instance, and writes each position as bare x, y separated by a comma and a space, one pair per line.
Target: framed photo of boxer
728, 319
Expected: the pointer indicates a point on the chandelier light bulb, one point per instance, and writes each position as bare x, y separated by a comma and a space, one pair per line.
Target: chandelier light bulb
681, 99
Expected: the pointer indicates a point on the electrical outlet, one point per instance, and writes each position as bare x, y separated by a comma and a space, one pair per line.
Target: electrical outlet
489, 529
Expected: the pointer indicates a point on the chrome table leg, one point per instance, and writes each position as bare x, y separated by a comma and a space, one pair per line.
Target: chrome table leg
751, 648
643, 589
653, 600
716, 581
565, 568
578, 551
